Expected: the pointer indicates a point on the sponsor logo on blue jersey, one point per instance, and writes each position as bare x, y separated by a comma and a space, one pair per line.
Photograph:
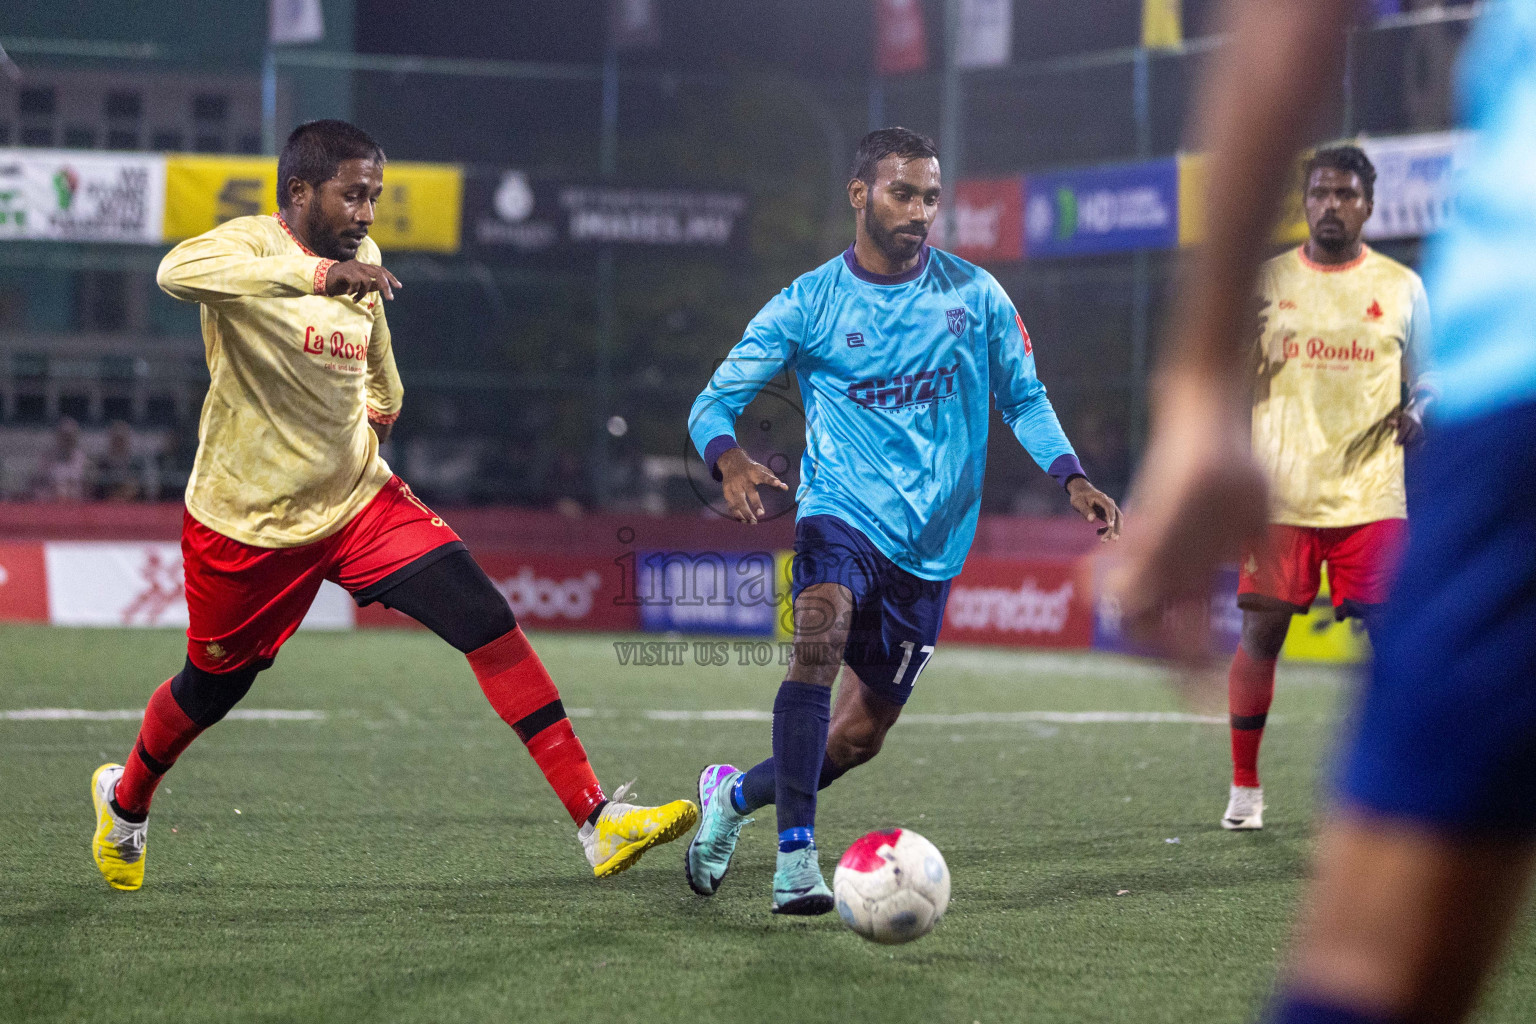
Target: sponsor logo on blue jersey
906, 390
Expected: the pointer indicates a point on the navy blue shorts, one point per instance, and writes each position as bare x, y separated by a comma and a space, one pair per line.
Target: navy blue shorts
896, 615
1445, 728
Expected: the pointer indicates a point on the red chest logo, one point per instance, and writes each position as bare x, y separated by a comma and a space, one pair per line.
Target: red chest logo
1374, 312
317, 343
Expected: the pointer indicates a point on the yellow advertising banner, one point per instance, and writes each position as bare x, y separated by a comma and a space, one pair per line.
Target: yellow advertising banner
418, 211
1192, 179
1318, 636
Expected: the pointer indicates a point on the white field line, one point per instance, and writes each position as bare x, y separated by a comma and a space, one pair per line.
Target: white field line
973, 717
728, 715
135, 714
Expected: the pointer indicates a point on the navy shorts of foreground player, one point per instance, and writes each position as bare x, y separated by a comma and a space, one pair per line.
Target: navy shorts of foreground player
1445, 731
896, 615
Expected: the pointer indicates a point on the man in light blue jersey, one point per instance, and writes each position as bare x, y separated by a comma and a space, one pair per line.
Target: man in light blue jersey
1428, 846
898, 349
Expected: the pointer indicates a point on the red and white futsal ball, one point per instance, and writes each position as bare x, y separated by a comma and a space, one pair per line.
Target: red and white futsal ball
891, 886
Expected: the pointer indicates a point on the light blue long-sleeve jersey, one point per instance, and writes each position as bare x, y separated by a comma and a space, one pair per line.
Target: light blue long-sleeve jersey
1481, 272
895, 374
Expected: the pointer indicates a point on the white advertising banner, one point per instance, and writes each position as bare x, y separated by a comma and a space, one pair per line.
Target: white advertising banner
141, 584
1415, 183
985, 39
81, 196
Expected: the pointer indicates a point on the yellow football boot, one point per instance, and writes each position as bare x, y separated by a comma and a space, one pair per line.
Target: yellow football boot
624, 831
118, 845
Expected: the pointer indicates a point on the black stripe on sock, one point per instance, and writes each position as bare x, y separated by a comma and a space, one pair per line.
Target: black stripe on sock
1249, 722
531, 725
158, 767
128, 816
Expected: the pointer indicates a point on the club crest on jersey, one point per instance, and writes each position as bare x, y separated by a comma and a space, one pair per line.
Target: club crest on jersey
956, 319
1374, 313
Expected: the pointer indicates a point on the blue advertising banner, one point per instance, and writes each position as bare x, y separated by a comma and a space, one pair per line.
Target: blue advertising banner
1226, 617
729, 592
1102, 210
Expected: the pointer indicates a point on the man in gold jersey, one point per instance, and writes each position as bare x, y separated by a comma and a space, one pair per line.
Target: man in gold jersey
1335, 400
288, 490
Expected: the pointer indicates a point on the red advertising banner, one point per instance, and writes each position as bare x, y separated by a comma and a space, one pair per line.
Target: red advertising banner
901, 39
987, 223
582, 592
1020, 604
23, 583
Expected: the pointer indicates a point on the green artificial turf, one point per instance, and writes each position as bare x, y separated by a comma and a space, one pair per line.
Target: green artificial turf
401, 859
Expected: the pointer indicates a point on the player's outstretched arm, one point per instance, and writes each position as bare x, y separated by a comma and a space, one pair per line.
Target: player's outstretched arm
1095, 506
741, 476
228, 262
1198, 495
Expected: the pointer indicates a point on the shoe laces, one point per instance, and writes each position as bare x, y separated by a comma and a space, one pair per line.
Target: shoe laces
625, 791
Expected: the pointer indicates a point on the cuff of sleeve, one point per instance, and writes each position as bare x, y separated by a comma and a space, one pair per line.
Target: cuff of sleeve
382, 418
1065, 468
321, 270
716, 448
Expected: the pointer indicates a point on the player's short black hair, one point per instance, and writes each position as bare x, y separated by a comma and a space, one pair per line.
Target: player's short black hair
316, 149
1350, 159
884, 142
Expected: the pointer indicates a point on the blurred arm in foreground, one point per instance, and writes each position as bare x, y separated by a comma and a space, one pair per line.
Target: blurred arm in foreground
1427, 846
1199, 496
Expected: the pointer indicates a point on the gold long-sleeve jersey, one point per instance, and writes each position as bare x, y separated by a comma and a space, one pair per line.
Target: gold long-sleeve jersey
1333, 360
285, 453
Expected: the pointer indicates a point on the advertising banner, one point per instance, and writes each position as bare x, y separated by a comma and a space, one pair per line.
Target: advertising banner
1226, 622
1292, 226
1019, 603
986, 33
23, 586
509, 213
111, 584
1098, 210
551, 591
1319, 636
1415, 183
985, 223
74, 196
730, 592
901, 38
418, 211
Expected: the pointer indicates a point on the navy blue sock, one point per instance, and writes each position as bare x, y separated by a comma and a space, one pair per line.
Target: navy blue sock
755, 787
1291, 1009
800, 715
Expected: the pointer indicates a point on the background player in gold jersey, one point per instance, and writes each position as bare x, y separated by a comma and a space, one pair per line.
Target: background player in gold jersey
1335, 400
288, 490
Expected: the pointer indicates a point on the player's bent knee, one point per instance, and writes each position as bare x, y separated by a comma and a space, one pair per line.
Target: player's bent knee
206, 697
455, 599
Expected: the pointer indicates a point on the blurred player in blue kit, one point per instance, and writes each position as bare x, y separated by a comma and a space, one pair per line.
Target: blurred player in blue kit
1425, 855
897, 348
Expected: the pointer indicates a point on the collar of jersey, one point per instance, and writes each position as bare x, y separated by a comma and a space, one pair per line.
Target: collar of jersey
874, 278
1332, 268
289, 230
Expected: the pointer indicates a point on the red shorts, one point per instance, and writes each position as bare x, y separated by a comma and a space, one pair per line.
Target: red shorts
1361, 560
244, 601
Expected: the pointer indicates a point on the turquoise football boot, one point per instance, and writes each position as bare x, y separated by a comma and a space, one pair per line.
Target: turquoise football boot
798, 887
709, 855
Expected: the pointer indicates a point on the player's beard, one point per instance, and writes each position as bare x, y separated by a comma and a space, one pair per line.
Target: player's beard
322, 239
896, 248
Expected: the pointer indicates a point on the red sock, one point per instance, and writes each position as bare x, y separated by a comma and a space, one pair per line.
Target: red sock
166, 732
518, 687
1250, 689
